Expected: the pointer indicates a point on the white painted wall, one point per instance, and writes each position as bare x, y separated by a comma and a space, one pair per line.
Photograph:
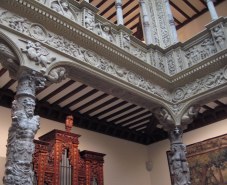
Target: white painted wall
196, 26
124, 160
157, 152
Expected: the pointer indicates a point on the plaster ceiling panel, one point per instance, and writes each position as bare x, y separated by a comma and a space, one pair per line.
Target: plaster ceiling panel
4, 79
50, 89
75, 96
83, 102
124, 113
178, 15
96, 104
109, 113
106, 107
197, 4
147, 116
211, 105
223, 100
63, 92
142, 123
184, 7
129, 117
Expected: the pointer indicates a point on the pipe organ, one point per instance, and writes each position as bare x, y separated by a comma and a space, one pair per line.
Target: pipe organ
58, 161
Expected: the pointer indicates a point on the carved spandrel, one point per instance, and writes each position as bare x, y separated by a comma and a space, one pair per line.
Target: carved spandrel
38, 54
8, 59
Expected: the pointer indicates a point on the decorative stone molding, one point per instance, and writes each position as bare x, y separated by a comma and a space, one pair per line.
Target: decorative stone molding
204, 84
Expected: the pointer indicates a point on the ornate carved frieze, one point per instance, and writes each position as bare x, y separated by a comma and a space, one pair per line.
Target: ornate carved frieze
171, 63
139, 53
199, 52
210, 81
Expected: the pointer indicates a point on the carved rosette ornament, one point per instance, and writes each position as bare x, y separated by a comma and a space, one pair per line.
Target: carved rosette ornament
20, 146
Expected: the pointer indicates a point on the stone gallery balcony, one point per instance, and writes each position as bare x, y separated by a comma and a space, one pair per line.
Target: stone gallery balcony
59, 36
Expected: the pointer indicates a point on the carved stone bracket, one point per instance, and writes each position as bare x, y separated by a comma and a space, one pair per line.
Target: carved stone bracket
177, 117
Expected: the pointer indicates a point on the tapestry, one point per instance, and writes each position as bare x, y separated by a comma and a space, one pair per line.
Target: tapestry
208, 161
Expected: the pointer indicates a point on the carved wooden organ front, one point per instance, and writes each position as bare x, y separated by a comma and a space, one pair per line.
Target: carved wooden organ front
58, 161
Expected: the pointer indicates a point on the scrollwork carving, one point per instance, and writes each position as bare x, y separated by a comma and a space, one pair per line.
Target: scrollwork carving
57, 74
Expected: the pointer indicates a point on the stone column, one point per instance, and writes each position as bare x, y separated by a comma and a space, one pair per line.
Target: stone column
120, 19
20, 146
212, 9
171, 22
178, 163
174, 124
145, 22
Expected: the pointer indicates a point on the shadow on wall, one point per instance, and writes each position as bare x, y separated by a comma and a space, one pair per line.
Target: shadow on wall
2, 168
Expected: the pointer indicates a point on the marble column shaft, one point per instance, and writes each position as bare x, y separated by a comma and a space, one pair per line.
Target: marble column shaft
212, 9
120, 19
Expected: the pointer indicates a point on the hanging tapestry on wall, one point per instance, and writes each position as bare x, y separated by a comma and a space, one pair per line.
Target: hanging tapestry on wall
207, 161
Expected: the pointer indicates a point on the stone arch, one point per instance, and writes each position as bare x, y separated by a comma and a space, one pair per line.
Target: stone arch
11, 54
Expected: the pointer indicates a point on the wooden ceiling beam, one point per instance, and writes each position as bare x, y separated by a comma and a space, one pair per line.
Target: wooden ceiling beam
107, 9
101, 3
132, 19
127, 115
191, 6
78, 89
91, 102
179, 10
101, 105
134, 118
8, 84
58, 90
111, 108
83, 97
119, 112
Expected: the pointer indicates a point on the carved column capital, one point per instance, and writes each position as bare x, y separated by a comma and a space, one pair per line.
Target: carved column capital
166, 121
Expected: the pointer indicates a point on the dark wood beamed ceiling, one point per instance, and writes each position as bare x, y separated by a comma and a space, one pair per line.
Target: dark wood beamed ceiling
100, 112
